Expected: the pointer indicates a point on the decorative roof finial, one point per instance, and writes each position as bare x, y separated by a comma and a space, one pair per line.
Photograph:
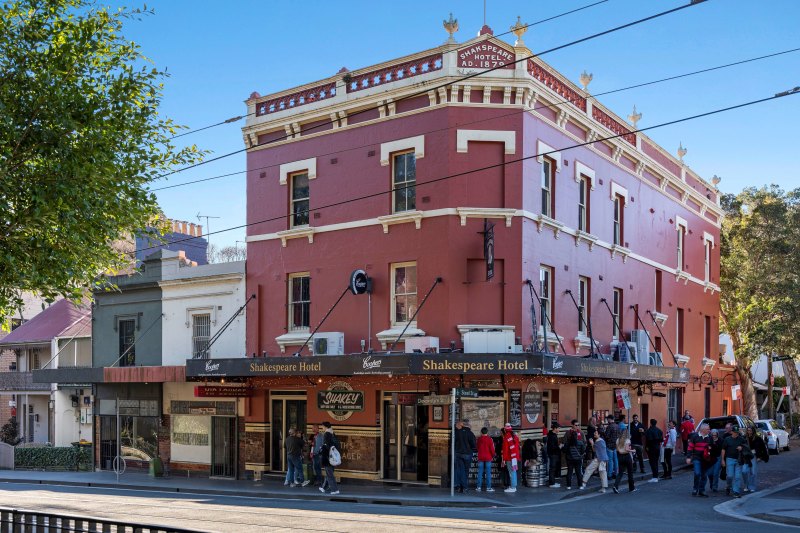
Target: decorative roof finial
715, 181
519, 30
451, 26
681, 151
634, 117
586, 79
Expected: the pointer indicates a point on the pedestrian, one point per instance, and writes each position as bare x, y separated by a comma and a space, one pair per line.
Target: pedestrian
653, 438
530, 455
289, 478
511, 455
574, 449
670, 440
486, 453
329, 442
716, 461
554, 456
688, 416
625, 454
637, 441
699, 456
611, 436
732, 451
465, 445
316, 455
760, 453
294, 456
728, 479
599, 463
591, 429
686, 429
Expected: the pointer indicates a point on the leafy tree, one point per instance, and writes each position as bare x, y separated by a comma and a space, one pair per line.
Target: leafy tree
80, 141
226, 254
9, 433
760, 304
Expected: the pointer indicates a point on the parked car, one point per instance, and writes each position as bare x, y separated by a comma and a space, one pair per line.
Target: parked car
743, 421
776, 436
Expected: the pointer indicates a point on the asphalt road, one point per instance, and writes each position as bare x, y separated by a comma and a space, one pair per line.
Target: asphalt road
665, 506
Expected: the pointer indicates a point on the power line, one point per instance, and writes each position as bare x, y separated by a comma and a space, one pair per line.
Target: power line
795, 90
495, 117
526, 26
459, 80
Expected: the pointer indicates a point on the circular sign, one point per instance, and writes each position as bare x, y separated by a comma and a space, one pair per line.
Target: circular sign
359, 282
342, 386
532, 387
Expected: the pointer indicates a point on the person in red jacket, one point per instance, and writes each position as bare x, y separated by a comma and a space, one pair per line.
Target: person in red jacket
687, 428
485, 455
511, 455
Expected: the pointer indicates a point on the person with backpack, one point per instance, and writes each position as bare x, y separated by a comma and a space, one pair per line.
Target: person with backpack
330, 457
625, 453
485, 455
653, 438
511, 456
575, 448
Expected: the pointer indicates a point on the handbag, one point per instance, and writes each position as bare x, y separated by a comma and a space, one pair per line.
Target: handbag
723, 474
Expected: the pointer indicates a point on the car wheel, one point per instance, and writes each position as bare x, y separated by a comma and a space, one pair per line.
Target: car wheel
786, 448
777, 447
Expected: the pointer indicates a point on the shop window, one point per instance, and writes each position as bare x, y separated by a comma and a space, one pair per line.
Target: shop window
300, 199
583, 299
404, 292
127, 348
299, 301
616, 311
404, 195
545, 295
583, 204
201, 332
548, 187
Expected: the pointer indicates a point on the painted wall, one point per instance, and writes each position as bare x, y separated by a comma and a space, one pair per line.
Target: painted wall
67, 419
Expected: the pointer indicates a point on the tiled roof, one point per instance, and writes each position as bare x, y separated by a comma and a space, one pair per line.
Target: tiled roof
62, 319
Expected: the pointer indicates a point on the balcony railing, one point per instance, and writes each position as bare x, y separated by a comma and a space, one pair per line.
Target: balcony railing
20, 381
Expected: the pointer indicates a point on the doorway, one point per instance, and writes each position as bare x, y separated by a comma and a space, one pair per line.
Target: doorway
405, 442
286, 413
223, 446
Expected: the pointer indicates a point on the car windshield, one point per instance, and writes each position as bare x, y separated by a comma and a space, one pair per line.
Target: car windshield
774, 424
762, 425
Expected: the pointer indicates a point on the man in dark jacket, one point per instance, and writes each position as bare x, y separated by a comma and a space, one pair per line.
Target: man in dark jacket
574, 449
699, 456
554, 454
294, 456
637, 440
329, 441
653, 438
610, 436
465, 447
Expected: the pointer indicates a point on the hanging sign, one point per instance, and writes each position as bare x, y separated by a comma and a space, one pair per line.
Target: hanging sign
340, 400
434, 399
488, 248
359, 282
623, 398
735, 391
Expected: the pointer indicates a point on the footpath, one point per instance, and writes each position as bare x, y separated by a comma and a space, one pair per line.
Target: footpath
386, 493
778, 505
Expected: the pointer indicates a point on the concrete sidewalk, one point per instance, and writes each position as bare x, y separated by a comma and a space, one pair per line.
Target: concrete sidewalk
375, 493
779, 505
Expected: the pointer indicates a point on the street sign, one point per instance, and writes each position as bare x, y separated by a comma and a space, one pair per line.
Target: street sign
777, 358
772, 380
785, 391
467, 393
434, 399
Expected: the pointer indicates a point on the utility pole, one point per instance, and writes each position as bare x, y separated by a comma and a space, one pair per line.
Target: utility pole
770, 383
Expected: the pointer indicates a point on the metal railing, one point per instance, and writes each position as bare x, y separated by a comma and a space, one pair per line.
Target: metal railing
19, 521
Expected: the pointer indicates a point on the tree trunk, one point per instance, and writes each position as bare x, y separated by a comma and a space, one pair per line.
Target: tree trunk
793, 381
747, 391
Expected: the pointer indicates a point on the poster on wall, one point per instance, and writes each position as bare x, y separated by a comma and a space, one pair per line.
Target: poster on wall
623, 398
531, 415
532, 406
735, 392
515, 408
484, 413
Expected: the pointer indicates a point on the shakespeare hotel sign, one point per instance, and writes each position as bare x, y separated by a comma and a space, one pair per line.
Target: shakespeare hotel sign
486, 55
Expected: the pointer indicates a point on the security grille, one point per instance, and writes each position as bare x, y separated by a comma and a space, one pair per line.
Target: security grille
201, 332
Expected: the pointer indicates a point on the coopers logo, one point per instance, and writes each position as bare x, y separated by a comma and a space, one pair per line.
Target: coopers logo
211, 366
369, 363
558, 364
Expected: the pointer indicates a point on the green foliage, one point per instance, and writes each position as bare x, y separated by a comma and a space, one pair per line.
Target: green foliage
81, 140
9, 433
50, 458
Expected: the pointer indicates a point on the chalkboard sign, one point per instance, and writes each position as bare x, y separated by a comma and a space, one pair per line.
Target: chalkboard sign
532, 403
515, 408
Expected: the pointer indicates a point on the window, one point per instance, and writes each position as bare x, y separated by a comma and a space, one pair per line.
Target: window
299, 301
707, 244
616, 311
548, 180
404, 292
405, 177
681, 237
127, 348
619, 218
707, 336
299, 200
583, 204
545, 295
35, 359
658, 291
583, 298
679, 331
201, 332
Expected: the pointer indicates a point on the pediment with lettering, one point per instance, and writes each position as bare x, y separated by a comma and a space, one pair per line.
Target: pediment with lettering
486, 53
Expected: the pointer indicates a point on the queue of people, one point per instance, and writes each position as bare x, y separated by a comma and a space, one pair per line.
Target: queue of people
318, 453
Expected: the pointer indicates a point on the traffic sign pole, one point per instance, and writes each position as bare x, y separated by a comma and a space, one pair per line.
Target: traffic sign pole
453, 443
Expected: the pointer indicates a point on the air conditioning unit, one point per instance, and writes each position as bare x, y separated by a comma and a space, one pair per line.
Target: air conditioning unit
640, 339
497, 341
328, 343
622, 352
422, 344
656, 359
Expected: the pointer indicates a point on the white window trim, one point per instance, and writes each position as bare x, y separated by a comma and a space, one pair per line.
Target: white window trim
583, 170
508, 138
392, 305
289, 303
191, 311
309, 165
681, 222
617, 189
582, 329
545, 150
292, 201
708, 237
411, 143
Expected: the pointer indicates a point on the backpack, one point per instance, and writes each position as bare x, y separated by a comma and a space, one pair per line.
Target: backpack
334, 457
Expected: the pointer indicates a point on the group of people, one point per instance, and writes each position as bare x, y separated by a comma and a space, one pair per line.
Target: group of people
466, 445
730, 455
319, 450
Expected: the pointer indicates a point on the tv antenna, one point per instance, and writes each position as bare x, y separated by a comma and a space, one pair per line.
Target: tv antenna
208, 225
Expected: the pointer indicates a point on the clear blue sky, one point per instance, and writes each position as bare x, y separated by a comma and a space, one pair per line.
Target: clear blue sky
218, 53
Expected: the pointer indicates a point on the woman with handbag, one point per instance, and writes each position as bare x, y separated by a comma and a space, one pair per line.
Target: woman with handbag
625, 453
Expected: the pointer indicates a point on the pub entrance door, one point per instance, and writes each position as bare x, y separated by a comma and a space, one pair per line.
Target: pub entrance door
288, 411
405, 442
223, 446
